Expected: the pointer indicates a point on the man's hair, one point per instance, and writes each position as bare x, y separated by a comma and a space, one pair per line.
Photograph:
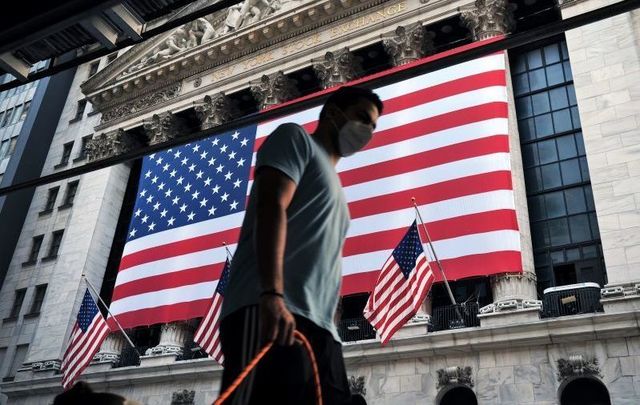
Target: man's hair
347, 95
82, 394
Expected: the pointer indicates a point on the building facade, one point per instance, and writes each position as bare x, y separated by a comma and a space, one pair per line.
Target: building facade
564, 328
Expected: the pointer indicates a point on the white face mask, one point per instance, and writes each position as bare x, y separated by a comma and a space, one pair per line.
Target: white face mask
352, 137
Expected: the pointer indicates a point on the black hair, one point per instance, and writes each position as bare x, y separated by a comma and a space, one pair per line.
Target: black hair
347, 95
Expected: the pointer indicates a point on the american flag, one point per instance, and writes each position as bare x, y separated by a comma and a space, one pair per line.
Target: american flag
403, 284
87, 335
208, 334
443, 139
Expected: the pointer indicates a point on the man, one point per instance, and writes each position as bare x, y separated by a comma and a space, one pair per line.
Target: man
286, 272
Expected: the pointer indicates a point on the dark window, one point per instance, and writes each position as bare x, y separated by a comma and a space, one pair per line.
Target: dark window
66, 153
38, 298
83, 148
80, 110
56, 240
17, 302
51, 198
4, 148
12, 145
93, 68
18, 359
112, 57
564, 230
72, 188
36, 243
17, 113
7, 117
25, 110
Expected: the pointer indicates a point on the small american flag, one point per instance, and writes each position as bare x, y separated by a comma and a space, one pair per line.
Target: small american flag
403, 284
87, 335
208, 333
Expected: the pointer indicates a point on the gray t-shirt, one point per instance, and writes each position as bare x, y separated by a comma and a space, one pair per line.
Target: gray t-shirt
317, 222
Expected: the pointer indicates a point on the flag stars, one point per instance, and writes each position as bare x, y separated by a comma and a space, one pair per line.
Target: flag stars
215, 189
171, 221
149, 199
152, 156
156, 206
244, 142
190, 216
187, 188
168, 193
211, 162
180, 180
223, 149
204, 154
147, 174
232, 155
241, 162
199, 174
161, 186
138, 212
159, 161
192, 168
163, 213
143, 193
183, 207
154, 180
165, 167
235, 135
196, 148
152, 226
177, 154
203, 202
175, 200
132, 233
228, 175
195, 194
172, 173
224, 197
207, 181
184, 161
237, 183
212, 211
215, 142
233, 205
144, 219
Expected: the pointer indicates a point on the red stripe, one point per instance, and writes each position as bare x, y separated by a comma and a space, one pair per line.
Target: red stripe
175, 279
161, 314
485, 264
438, 230
426, 159
191, 245
479, 183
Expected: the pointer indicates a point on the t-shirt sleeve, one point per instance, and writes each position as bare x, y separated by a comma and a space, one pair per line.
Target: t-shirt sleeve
287, 149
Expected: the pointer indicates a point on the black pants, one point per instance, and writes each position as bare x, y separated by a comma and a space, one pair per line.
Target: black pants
284, 376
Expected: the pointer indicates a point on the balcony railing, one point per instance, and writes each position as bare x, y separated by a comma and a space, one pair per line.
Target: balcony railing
351, 330
457, 316
571, 299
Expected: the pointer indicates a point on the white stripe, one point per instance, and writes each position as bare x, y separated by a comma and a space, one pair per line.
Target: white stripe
479, 243
86, 346
427, 142
187, 293
452, 208
184, 232
428, 176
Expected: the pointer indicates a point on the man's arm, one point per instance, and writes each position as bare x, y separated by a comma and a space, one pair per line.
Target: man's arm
273, 195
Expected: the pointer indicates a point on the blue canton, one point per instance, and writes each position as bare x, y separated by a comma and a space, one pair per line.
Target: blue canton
407, 252
224, 278
88, 311
193, 183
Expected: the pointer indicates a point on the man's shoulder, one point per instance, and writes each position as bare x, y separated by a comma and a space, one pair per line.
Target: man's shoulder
290, 129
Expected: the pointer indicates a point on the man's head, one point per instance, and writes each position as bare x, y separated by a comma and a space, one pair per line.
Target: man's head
350, 116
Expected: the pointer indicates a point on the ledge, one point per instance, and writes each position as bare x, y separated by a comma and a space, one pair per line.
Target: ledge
9, 319
65, 206
29, 263
48, 259
61, 164
31, 315
45, 212
79, 159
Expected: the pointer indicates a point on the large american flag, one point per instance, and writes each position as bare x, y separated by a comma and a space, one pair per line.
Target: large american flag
443, 139
403, 284
208, 333
87, 335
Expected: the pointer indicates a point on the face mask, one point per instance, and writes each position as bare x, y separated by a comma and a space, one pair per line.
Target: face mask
352, 137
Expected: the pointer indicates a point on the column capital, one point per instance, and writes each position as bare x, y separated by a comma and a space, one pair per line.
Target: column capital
408, 43
489, 18
214, 110
173, 337
273, 90
337, 68
111, 349
111, 143
163, 127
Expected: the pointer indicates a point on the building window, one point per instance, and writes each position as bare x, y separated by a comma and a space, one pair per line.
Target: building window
79, 110
25, 110
7, 117
112, 57
54, 247
564, 230
12, 145
1, 114
93, 68
17, 303
36, 244
18, 359
17, 114
38, 298
83, 148
66, 153
72, 188
51, 199
4, 148
3, 354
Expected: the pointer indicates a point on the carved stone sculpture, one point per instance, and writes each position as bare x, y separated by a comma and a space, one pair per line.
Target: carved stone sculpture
408, 44
214, 110
337, 68
274, 89
163, 127
455, 375
173, 337
110, 144
357, 385
577, 365
183, 397
142, 102
489, 18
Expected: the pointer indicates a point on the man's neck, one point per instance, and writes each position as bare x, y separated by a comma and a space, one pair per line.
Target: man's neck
323, 137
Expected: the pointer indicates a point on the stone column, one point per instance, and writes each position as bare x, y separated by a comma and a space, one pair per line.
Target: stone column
109, 353
274, 89
214, 110
109, 144
337, 68
514, 295
163, 127
489, 18
173, 337
408, 44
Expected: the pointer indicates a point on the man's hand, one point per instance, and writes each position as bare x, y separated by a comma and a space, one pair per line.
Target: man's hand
276, 322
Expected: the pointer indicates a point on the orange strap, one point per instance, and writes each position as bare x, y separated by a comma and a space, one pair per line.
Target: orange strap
300, 337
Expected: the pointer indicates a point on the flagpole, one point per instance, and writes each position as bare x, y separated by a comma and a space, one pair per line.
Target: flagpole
107, 308
229, 255
435, 256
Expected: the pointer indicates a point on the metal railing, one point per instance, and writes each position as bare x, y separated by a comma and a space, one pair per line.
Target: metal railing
353, 329
571, 300
455, 316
